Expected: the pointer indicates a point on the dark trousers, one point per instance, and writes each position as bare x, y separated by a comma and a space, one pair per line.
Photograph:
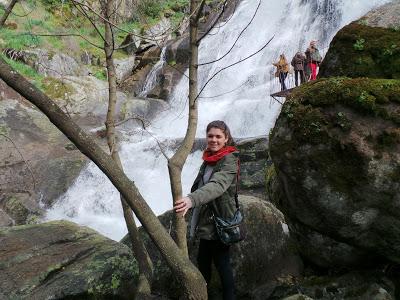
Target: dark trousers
296, 74
217, 252
282, 77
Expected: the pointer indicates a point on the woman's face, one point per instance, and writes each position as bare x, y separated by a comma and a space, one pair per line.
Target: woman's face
216, 139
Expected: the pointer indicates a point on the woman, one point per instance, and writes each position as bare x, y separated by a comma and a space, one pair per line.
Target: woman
213, 192
298, 62
313, 58
282, 69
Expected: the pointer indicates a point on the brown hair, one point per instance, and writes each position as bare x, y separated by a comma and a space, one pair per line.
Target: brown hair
225, 129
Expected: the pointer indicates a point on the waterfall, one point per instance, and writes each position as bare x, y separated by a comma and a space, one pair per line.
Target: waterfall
238, 95
151, 79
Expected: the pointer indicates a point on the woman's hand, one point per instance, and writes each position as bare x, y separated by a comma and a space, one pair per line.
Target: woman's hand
183, 205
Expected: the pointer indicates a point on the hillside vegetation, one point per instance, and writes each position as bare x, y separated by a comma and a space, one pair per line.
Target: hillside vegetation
58, 26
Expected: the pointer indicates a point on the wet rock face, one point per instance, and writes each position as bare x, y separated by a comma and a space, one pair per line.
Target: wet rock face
263, 256
336, 150
37, 161
61, 260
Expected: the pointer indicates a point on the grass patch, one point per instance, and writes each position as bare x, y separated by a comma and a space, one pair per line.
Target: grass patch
25, 71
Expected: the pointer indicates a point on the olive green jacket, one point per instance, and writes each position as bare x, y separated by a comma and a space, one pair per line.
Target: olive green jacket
218, 194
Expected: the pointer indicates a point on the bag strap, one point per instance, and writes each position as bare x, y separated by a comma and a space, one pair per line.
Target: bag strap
237, 185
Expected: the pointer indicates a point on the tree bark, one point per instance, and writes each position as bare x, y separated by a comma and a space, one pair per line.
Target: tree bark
175, 164
139, 250
7, 12
193, 283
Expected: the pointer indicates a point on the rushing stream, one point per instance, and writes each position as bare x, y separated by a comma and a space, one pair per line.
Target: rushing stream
238, 95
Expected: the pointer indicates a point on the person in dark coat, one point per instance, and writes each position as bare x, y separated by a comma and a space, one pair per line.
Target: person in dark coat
298, 62
213, 192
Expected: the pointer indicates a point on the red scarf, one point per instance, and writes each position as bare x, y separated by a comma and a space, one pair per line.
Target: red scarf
212, 158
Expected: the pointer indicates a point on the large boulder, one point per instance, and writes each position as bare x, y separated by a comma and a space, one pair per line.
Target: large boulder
38, 162
266, 253
61, 260
369, 47
336, 151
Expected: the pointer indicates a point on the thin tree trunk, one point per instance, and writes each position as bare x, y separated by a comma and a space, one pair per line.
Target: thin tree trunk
175, 164
193, 284
7, 12
139, 250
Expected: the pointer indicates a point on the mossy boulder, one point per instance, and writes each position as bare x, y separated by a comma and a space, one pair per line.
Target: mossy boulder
336, 151
61, 260
360, 50
266, 254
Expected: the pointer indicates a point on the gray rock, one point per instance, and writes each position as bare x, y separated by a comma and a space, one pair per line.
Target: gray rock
338, 164
370, 284
130, 44
60, 260
54, 64
5, 219
146, 108
124, 68
264, 255
387, 16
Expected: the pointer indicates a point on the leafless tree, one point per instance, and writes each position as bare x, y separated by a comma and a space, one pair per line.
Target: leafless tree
193, 284
7, 12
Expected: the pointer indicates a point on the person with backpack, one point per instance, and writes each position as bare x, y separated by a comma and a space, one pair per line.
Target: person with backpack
313, 58
282, 69
298, 62
212, 193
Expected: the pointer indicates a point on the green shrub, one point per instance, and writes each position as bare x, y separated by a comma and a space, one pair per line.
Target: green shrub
359, 45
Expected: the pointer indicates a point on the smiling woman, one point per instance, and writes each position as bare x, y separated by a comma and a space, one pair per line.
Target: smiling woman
213, 193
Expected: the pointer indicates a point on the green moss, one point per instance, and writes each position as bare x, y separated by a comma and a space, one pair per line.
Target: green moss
366, 96
122, 267
363, 51
315, 111
56, 88
4, 129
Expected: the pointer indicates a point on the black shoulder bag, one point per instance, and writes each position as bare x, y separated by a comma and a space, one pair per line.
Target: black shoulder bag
231, 230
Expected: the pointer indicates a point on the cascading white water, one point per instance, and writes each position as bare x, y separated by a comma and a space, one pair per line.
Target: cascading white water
151, 80
243, 102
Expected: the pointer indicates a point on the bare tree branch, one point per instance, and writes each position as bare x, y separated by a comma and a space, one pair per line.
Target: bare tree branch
108, 21
231, 65
238, 37
158, 142
222, 94
214, 23
84, 13
7, 12
63, 34
225, 22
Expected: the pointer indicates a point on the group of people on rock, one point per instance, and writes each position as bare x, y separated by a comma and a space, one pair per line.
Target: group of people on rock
304, 65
